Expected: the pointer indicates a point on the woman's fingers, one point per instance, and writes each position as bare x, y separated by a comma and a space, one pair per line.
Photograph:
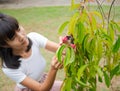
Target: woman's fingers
59, 65
56, 64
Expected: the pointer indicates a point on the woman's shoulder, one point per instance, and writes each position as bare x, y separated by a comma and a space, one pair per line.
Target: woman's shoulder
38, 38
33, 34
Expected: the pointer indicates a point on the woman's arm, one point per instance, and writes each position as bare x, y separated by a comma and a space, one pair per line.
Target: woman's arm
47, 84
36, 86
51, 46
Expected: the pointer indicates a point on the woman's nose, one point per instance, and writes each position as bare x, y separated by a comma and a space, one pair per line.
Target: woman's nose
20, 37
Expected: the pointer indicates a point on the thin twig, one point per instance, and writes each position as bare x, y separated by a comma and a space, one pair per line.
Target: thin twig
110, 11
101, 11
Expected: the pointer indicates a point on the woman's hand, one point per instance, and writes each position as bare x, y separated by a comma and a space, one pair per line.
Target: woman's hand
60, 40
55, 64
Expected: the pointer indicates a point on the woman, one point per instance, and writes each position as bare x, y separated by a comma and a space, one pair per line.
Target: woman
21, 58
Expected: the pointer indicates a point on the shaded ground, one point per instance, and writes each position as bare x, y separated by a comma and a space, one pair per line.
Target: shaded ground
30, 3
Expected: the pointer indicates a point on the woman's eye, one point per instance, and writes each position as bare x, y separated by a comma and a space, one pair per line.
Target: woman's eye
13, 37
18, 29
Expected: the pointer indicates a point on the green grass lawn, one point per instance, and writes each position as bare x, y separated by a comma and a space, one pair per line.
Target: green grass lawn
46, 21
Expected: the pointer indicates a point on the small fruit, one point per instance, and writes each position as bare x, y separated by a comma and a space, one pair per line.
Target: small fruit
65, 39
73, 45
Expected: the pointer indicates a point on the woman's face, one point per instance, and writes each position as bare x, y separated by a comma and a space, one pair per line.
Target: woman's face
19, 40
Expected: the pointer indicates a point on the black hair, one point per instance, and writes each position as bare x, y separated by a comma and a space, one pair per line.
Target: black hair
8, 26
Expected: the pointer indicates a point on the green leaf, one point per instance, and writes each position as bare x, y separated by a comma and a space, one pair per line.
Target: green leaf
73, 5
67, 56
114, 71
111, 31
100, 79
116, 45
82, 83
79, 32
73, 23
107, 79
62, 27
70, 56
59, 52
107, 37
93, 23
92, 45
85, 41
81, 70
99, 71
99, 49
97, 14
116, 26
67, 84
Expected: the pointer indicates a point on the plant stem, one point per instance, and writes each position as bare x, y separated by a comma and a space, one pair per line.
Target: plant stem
110, 11
101, 11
